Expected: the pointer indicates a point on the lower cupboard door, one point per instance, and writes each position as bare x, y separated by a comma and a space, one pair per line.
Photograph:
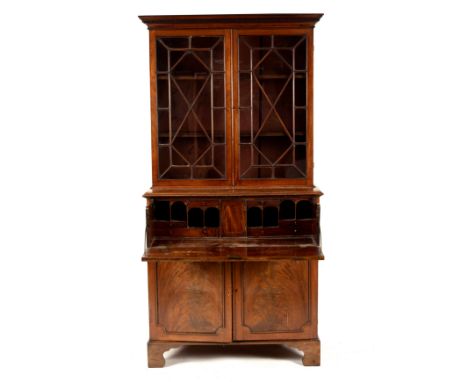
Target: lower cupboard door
275, 300
190, 301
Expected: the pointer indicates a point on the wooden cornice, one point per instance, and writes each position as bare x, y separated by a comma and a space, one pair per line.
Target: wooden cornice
277, 20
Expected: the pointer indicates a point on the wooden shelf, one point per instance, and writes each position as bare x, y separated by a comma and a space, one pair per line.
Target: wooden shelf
234, 249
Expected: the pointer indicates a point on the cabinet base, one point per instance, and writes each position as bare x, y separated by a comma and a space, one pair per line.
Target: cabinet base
310, 348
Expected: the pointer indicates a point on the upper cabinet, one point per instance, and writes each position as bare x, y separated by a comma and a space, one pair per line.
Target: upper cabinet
232, 105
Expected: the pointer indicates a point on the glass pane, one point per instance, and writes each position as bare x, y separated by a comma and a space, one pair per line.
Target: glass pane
161, 57
218, 126
204, 42
218, 90
163, 126
219, 152
300, 158
174, 42
163, 159
163, 92
245, 129
272, 99
300, 90
218, 56
301, 56
300, 124
191, 107
244, 90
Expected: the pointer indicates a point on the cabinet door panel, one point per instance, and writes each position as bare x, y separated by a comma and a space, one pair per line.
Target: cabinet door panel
275, 300
190, 301
191, 106
273, 104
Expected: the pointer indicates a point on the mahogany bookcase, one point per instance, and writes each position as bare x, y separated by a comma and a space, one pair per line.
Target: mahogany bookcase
233, 217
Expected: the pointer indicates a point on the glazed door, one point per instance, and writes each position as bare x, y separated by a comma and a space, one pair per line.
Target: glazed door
272, 98
190, 301
275, 300
191, 98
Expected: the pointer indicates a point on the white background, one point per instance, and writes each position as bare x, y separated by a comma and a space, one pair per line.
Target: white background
391, 91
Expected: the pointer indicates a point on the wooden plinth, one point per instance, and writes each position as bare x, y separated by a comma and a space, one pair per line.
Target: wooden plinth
310, 348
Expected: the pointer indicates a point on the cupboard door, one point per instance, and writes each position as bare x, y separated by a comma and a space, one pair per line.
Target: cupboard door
191, 101
275, 300
273, 106
190, 301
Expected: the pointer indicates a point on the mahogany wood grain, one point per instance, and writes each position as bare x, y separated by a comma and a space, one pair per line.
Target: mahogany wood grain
234, 249
230, 192
234, 259
273, 300
278, 21
191, 301
233, 218
156, 351
314, 298
310, 348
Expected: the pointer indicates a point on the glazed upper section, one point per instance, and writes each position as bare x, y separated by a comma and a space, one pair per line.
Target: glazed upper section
232, 100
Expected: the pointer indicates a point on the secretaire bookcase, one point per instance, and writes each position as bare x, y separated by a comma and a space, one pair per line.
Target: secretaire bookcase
232, 218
